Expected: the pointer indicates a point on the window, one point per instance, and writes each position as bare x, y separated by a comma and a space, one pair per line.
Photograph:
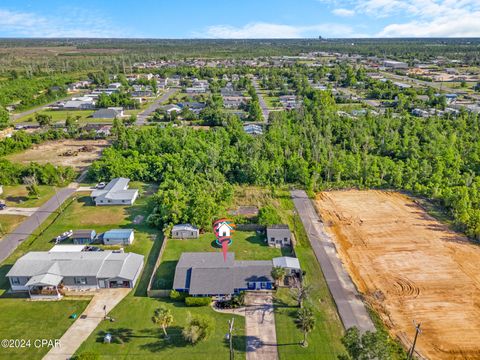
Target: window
15, 281
80, 280
285, 239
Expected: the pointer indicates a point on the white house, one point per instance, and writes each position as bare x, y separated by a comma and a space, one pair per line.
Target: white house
115, 193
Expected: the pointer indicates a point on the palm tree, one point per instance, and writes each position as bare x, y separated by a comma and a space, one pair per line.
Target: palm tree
278, 273
301, 293
305, 322
163, 317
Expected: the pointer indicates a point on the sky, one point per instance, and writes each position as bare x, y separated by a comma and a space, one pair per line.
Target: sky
239, 18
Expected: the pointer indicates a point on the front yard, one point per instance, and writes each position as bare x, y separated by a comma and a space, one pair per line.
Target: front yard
17, 196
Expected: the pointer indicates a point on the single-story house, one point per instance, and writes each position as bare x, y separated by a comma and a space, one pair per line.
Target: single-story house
253, 129
46, 274
67, 248
290, 264
208, 274
118, 237
115, 193
185, 231
83, 236
279, 235
109, 113
171, 108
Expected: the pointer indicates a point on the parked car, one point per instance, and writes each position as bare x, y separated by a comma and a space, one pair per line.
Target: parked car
93, 248
2, 206
101, 185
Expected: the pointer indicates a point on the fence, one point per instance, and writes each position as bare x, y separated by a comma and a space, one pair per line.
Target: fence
157, 293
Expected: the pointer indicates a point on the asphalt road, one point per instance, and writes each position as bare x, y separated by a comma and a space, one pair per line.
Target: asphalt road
350, 307
10, 242
143, 116
261, 101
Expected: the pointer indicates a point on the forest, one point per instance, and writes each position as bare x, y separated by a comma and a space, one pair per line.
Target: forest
435, 157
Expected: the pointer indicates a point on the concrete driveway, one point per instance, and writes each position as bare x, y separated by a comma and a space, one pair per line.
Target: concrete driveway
81, 329
260, 327
18, 211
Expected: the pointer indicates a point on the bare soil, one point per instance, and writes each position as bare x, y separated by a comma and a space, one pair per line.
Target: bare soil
53, 152
409, 266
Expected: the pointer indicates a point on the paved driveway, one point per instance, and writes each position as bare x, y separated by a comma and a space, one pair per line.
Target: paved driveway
350, 307
143, 116
260, 327
81, 329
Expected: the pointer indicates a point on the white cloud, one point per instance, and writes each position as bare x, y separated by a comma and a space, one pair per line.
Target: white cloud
75, 23
343, 12
260, 30
420, 18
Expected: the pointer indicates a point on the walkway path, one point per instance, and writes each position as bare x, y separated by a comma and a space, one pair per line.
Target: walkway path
81, 329
260, 327
350, 307
143, 116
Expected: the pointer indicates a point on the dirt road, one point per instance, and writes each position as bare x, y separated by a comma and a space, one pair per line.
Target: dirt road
409, 267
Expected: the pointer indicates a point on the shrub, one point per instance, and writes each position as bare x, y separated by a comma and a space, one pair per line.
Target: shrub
197, 329
198, 301
177, 296
268, 215
88, 356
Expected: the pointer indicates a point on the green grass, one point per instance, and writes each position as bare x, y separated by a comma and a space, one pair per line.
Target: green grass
246, 245
31, 320
9, 222
17, 196
136, 337
59, 116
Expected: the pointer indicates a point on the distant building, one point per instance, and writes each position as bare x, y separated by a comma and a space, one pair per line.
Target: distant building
279, 235
118, 237
109, 113
253, 129
185, 231
115, 193
171, 108
395, 64
83, 236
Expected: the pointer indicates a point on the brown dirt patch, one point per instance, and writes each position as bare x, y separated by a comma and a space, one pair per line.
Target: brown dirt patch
51, 152
409, 266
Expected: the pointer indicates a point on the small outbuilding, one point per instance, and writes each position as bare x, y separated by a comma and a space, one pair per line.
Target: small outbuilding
185, 231
118, 237
83, 236
290, 264
279, 235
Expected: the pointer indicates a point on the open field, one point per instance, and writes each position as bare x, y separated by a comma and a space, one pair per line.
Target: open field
409, 266
50, 152
8, 223
59, 116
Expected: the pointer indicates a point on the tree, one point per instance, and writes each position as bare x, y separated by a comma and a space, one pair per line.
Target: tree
197, 329
130, 120
32, 186
278, 273
71, 124
305, 322
163, 317
301, 293
4, 117
43, 119
268, 216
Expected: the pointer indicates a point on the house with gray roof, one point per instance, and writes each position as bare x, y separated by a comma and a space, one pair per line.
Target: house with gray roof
118, 237
109, 113
209, 274
279, 235
115, 193
46, 274
185, 231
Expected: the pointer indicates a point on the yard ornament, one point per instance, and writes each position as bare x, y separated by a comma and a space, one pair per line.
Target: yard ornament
223, 230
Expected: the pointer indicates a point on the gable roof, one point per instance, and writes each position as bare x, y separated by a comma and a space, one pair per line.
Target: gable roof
100, 264
208, 273
286, 262
116, 189
118, 233
188, 227
278, 231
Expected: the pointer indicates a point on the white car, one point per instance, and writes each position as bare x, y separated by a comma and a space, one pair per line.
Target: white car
101, 185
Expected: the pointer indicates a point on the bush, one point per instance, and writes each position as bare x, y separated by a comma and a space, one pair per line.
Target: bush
268, 215
87, 356
198, 328
177, 296
198, 301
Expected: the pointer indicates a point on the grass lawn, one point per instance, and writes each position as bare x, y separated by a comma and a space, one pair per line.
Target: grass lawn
59, 115
17, 196
246, 245
9, 222
31, 320
324, 341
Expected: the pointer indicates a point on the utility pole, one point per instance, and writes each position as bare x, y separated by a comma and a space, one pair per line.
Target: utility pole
417, 331
230, 337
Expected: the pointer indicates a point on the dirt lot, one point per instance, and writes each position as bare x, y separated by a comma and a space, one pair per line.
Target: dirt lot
52, 152
409, 266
